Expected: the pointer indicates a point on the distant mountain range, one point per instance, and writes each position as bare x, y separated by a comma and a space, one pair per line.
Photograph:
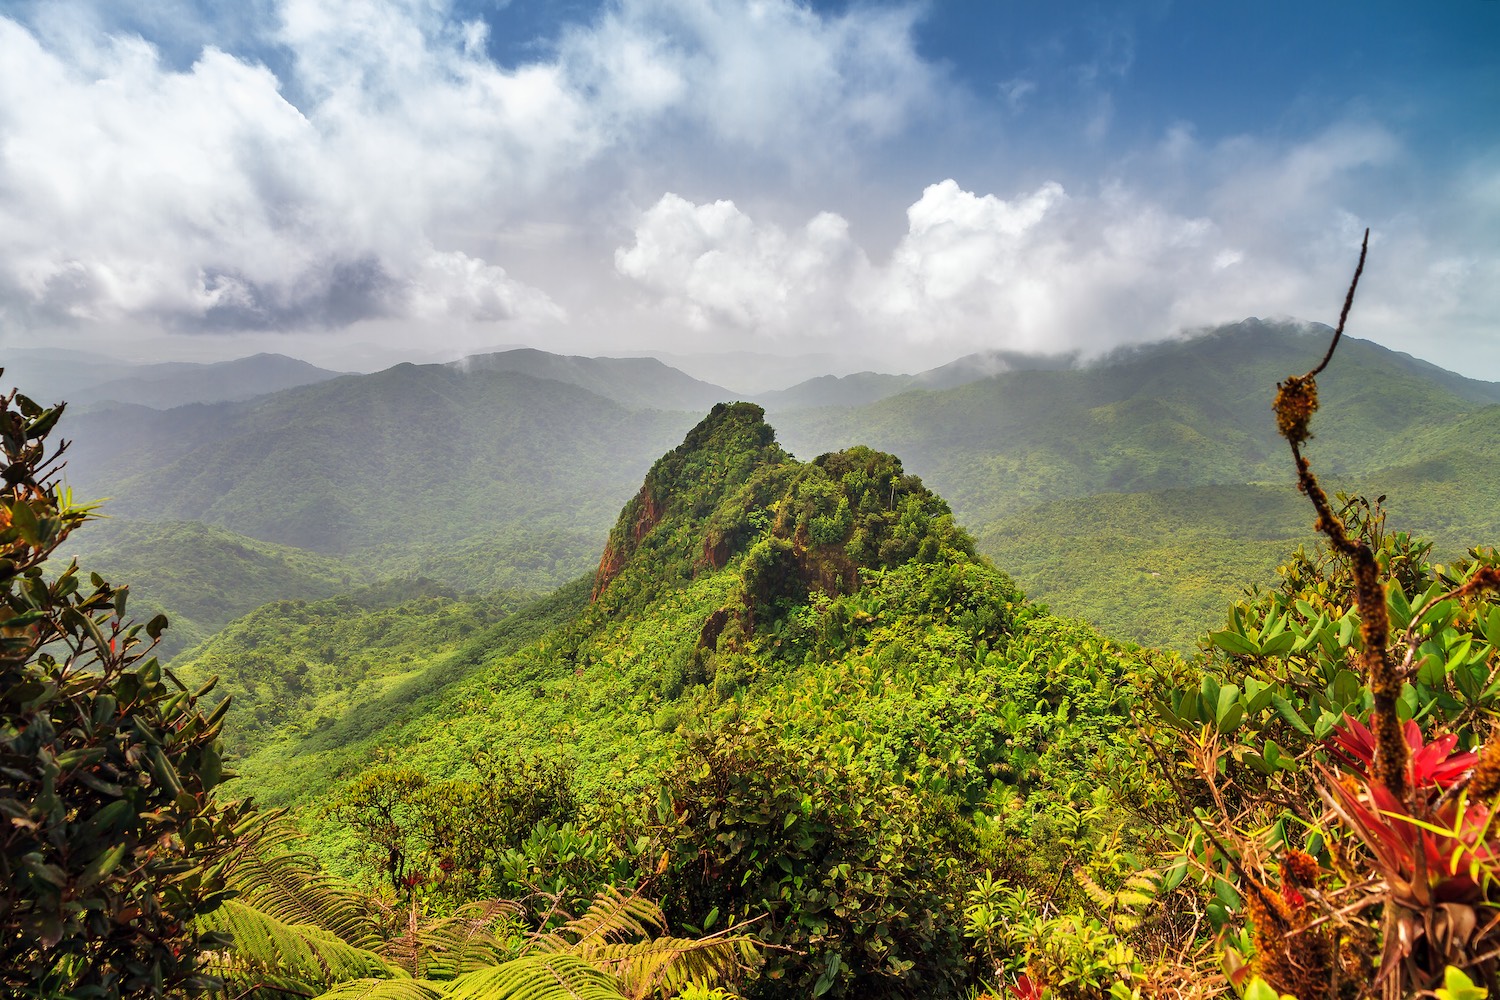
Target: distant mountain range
871, 387
634, 383
507, 469
83, 379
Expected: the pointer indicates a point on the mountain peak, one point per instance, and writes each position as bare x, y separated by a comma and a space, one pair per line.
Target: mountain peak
729, 492
720, 454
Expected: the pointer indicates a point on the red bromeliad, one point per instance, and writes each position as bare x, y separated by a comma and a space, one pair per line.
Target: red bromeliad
1431, 765
1437, 858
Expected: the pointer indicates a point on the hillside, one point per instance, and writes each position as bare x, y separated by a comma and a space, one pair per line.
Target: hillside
1172, 415
500, 479
870, 387
821, 630
201, 577
391, 465
178, 383
85, 379
1159, 567
634, 383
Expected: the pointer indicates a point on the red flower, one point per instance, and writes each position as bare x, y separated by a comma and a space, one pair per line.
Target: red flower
1026, 988
1449, 858
1432, 764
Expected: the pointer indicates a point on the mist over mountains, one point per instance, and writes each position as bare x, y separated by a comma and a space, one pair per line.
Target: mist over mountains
505, 470
85, 379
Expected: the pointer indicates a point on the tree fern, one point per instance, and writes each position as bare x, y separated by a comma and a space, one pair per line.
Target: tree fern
665, 966
288, 886
1125, 907
537, 977
385, 989
295, 958
448, 948
605, 937
613, 916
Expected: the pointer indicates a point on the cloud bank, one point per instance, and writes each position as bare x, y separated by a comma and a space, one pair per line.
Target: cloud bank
371, 177
693, 174
1047, 269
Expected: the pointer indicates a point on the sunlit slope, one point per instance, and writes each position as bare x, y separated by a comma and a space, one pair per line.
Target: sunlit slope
1160, 567
732, 570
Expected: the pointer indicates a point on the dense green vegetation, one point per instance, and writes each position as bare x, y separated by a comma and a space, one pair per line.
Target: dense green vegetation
112, 836
1167, 416
749, 609
386, 463
202, 577
793, 703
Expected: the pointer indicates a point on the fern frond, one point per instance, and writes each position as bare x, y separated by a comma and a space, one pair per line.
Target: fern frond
1123, 909
612, 916
289, 886
456, 945
665, 966
536, 977
272, 952
384, 989
1097, 894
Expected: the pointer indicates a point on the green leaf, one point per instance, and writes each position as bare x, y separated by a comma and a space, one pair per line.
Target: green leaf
1492, 626
1345, 689
1229, 696
102, 865
1458, 986
1231, 720
830, 974
1285, 709
1234, 643
43, 423
1259, 989
1397, 605
1278, 645
24, 520
1258, 695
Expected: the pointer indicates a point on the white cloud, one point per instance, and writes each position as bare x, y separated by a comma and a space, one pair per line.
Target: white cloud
377, 176
767, 74
1047, 269
717, 267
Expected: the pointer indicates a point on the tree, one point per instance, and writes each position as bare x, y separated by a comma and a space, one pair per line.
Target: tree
110, 837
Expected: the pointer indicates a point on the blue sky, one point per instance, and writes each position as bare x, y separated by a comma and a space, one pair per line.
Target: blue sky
895, 183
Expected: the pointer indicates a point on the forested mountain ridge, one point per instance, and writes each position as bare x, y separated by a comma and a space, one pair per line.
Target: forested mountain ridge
203, 577
1171, 415
502, 479
792, 698
823, 623
634, 383
452, 456
86, 380
869, 387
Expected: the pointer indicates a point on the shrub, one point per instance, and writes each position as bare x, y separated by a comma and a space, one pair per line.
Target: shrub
107, 765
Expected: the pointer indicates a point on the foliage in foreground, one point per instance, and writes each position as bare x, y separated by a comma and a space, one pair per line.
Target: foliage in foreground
111, 837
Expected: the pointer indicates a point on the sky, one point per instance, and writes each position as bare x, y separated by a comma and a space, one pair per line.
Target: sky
896, 184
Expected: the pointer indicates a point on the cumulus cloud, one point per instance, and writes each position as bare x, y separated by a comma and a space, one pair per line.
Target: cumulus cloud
375, 172
1047, 269
718, 267
765, 75
1041, 271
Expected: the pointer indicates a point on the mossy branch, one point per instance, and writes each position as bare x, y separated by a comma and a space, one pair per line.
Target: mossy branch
1296, 401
